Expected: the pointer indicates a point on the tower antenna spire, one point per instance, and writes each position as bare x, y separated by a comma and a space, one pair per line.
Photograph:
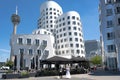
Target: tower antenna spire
16, 10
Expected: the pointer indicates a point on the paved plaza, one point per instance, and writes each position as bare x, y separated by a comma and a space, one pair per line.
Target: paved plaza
98, 75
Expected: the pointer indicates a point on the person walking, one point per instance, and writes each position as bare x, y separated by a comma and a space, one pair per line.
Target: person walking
68, 76
60, 72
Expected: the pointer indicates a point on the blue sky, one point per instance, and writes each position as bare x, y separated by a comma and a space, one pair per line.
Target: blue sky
29, 12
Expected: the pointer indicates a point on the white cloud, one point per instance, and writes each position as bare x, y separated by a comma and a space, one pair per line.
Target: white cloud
5, 50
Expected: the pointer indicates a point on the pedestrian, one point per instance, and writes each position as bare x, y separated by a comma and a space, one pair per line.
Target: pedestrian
68, 76
60, 72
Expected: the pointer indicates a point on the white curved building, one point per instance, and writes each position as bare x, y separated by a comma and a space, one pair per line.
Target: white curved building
69, 36
58, 34
49, 12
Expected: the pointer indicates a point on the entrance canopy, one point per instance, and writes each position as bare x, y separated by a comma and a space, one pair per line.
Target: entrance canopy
58, 59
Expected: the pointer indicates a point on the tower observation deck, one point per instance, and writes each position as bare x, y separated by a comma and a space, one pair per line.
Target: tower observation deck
15, 20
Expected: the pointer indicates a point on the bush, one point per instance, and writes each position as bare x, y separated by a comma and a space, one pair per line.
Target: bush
9, 71
24, 74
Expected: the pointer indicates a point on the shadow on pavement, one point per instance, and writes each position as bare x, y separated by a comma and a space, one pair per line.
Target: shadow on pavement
104, 73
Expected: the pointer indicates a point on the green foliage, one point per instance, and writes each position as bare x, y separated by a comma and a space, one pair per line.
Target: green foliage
9, 63
24, 73
9, 71
96, 60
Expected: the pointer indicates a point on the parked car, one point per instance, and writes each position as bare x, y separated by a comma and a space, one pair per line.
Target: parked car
5, 68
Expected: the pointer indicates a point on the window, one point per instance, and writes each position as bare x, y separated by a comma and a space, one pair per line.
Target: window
74, 28
60, 35
108, 1
50, 8
66, 45
37, 41
54, 13
21, 51
77, 45
50, 12
64, 24
109, 12
68, 22
46, 9
70, 33
73, 17
77, 51
61, 46
71, 45
59, 25
118, 21
60, 30
68, 17
30, 52
74, 23
28, 41
65, 40
65, 34
63, 29
50, 17
61, 40
109, 24
117, 0
63, 19
46, 13
67, 51
54, 9
51, 26
111, 48
70, 39
75, 33
59, 20
72, 51
76, 39
20, 41
69, 28
117, 9
110, 36
46, 17
39, 52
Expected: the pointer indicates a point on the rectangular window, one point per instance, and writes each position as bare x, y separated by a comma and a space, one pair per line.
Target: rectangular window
70, 39
63, 29
117, 0
69, 28
117, 9
20, 41
68, 17
109, 24
70, 33
109, 12
30, 52
68, 22
108, 1
72, 51
71, 45
21, 51
77, 45
111, 48
73, 17
37, 42
39, 52
28, 41
118, 21
110, 36
44, 42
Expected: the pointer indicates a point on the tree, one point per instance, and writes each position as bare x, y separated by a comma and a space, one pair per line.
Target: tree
96, 60
9, 63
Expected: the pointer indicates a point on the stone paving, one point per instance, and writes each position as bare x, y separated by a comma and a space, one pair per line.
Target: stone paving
98, 75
